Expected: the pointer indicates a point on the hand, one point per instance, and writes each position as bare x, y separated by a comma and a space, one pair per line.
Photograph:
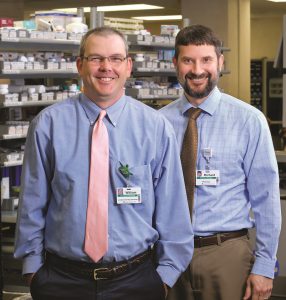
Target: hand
166, 290
28, 278
258, 287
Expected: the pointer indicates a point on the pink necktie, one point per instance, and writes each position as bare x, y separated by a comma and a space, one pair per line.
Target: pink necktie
96, 230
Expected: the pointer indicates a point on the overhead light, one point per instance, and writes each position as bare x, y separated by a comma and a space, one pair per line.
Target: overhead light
277, 0
116, 8
128, 7
159, 18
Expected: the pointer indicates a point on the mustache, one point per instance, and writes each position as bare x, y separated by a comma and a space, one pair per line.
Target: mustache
191, 75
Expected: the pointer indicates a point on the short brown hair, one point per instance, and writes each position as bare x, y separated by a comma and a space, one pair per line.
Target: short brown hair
197, 35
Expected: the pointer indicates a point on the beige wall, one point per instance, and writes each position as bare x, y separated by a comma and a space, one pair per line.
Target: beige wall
12, 9
230, 19
265, 36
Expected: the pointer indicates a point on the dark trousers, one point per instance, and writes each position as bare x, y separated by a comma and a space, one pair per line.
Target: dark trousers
140, 283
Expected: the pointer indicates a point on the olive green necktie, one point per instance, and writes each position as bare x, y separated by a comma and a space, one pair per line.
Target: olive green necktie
189, 155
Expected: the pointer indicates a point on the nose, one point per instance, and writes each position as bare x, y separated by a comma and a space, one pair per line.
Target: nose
197, 68
105, 63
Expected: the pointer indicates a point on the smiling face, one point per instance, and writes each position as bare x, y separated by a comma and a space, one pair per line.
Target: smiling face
198, 69
104, 82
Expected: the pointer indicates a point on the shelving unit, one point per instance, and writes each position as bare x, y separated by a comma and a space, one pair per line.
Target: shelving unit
28, 103
8, 218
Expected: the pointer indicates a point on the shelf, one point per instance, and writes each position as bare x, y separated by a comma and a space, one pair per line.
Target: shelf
11, 163
8, 249
281, 156
38, 44
12, 136
282, 194
8, 216
29, 103
154, 72
150, 45
15, 74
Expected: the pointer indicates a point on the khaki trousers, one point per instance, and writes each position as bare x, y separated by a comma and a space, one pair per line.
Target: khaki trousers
217, 272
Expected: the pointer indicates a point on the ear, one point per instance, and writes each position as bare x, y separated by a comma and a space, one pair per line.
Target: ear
129, 66
175, 61
220, 62
79, 63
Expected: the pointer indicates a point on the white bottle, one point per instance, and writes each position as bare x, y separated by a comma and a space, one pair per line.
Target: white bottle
76, 26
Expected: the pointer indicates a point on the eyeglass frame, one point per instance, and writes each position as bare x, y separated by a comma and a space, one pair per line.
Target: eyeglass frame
103, 58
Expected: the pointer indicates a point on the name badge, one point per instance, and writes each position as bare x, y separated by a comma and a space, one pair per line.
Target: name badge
128, 195
207, 177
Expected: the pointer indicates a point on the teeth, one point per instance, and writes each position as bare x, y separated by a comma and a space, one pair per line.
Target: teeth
106, 79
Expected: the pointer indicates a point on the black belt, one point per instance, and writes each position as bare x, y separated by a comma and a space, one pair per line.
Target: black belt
217, 239
97, 271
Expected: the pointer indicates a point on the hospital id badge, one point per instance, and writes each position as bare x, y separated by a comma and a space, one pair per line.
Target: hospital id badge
207, 177
128, 195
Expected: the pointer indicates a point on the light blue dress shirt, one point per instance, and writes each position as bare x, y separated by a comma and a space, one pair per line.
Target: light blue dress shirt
239, 137
54, 192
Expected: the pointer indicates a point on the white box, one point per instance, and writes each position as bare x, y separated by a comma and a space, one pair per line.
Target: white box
35, 34
33, 97
62, 65
71, 36
5, 65
5, 188
29, 65
4, 33
58, 96
22, 33
25, 129
18, 130
43, 96
61, 35
49, 35
7, 129
24, 97
12, 33
51, 96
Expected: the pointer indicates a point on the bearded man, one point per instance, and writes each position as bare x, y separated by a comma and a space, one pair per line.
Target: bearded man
229, 170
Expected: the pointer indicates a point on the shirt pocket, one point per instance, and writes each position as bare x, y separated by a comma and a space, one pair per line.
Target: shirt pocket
229, 164
141, 176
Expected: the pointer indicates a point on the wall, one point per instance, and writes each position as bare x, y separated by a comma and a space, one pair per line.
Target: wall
12, 9
265, 36
230, 19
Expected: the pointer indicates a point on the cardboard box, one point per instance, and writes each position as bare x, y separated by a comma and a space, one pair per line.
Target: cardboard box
6, 22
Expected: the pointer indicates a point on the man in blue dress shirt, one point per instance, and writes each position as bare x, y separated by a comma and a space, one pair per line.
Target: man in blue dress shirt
53, 203
238, 173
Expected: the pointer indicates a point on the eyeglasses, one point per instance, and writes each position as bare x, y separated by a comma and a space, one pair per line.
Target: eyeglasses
98, 60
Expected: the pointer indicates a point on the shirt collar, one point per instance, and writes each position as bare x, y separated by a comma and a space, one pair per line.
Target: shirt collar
209, 105
92, 110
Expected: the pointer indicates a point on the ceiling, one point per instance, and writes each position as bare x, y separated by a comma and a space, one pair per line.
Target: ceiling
259, 8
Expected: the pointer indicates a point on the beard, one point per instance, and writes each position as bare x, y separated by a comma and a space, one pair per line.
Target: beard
211, 83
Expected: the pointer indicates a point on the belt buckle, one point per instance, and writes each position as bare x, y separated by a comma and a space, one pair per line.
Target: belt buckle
200, 241
95, 273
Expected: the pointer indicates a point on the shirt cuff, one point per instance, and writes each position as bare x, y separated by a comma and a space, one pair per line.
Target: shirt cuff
264, 267
32, 263
168, 275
